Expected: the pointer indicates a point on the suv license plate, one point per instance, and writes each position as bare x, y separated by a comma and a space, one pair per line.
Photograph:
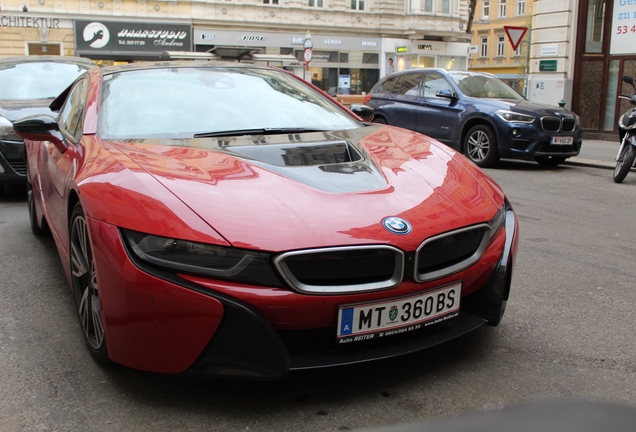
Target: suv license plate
562, 140
389, 317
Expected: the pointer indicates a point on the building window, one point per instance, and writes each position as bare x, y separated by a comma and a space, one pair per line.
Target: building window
485, 9
484, 47
272, 2
518, 51
357, 5
521, 7
315, 3
502, 8
501, 44
428, 6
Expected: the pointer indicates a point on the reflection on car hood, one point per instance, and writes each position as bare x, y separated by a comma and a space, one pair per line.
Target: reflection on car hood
17, 109
282, 192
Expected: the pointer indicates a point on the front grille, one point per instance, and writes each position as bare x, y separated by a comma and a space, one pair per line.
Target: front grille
556, 124
18, 166
450, 252
551, 124
568, 125
342, 269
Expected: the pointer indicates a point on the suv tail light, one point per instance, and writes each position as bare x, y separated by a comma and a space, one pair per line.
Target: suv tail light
367, 98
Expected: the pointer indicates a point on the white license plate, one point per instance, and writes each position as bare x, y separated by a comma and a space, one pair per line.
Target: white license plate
389, 317
562, 140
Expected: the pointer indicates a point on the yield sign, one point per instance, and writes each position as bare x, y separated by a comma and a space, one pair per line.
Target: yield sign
515, 34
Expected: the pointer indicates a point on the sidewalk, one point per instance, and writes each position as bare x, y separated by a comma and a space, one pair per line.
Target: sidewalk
600, 154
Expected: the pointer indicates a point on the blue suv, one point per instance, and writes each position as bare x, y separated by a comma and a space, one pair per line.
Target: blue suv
476, 114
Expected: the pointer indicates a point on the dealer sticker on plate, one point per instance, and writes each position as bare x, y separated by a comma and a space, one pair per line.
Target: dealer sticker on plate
562, 140
387, 318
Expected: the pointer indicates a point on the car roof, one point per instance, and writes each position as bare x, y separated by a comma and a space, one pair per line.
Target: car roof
47, 59
178, 63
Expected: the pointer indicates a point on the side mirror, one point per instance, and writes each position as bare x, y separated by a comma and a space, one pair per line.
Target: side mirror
446, 93
40, 128
365, 112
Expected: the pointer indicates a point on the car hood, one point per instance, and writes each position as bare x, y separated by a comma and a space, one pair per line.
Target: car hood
293, 191
525, 106
17, 109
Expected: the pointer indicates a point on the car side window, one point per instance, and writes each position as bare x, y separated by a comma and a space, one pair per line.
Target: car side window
71, 116
435, 82
410, 85
387, 86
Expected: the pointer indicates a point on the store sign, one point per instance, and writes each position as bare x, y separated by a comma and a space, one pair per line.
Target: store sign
547, 65
371, 44
131, 36
34, 22
549, 50
333, 41
252, 38
623, 27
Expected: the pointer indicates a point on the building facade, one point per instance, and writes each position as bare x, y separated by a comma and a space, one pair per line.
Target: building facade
491, 49
355, 41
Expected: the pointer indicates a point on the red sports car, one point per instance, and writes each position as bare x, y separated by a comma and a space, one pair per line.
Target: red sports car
232, 220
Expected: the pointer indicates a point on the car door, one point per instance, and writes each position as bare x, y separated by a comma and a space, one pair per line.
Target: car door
439, 116
397, 99
57, 166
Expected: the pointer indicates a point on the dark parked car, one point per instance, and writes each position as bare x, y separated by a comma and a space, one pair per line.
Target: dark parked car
27, 86
476, 114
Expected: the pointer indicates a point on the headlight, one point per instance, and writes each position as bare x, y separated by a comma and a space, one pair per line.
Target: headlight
497, 222
226, 263
510, 116
577, 120
6, 131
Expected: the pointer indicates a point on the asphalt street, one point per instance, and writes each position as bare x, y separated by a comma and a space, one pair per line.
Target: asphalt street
568, 333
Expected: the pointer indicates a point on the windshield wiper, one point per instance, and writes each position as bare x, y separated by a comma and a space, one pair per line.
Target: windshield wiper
262, 131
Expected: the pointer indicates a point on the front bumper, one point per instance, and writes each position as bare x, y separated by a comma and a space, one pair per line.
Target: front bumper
12, 163
527, 141
164, 322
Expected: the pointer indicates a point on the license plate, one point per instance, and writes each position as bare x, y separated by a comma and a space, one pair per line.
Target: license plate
562, 140
389, 317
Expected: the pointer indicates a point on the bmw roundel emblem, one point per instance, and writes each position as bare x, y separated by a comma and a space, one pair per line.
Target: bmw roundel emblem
396, 225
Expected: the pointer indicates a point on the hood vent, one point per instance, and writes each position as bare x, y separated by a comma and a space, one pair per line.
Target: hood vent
297, 155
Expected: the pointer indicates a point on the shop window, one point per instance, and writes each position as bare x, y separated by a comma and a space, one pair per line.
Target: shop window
485, 9
357, 5
370, 58
344, 57
521, 7
315, 3
483, 47
501, 45
502, 8
425, 62
44, 49
594, 27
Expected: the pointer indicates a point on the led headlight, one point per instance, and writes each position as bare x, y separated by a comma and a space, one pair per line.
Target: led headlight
497, 222
6, 131
181, 256
510, 116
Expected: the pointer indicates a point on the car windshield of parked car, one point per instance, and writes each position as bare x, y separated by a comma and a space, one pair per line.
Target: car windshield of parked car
482, 86
183, 102
35, 80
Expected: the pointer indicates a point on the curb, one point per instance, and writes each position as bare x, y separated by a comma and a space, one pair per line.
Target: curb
590, 163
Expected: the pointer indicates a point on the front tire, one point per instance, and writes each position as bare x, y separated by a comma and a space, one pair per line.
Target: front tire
84, 281
480, 146
625, 162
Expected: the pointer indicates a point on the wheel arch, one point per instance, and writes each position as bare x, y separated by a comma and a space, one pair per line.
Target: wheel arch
470, 123
73, 198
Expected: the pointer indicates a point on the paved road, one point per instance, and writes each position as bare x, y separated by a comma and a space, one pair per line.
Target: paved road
568, 333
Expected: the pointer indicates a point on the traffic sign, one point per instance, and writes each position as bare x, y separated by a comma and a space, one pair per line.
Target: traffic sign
515, 34
308, 55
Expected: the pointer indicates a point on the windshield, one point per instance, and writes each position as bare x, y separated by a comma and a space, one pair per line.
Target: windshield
188, 101
34, 80
482, 86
